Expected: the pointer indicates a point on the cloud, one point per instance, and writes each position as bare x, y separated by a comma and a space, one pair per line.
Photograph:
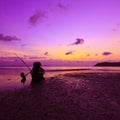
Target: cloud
106, 53
8, 58
116, 28
62, 7
8, 38
25, 56
46, 53
96, 54
69, 53
35, 57
88, 54
37, 17
78, 41
54, 6
23, 45
118, 24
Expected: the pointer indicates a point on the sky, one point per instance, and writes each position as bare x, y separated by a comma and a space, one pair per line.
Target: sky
59, 31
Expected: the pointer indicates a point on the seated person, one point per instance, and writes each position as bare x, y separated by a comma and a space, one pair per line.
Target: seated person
37, 72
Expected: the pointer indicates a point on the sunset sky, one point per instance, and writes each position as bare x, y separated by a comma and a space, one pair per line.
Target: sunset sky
60, 30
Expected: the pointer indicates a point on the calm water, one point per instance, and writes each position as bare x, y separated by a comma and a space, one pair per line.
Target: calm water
10, 76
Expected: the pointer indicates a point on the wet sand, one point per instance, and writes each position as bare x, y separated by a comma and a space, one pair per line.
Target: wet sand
74, 96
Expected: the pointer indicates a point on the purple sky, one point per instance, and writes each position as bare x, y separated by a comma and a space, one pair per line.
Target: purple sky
75, 30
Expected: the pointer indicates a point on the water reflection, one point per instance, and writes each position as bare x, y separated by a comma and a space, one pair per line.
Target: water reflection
10, 76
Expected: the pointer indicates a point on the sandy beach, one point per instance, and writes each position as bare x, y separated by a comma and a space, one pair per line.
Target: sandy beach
72, 96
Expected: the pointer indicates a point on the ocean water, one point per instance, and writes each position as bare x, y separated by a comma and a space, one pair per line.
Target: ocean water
10, 76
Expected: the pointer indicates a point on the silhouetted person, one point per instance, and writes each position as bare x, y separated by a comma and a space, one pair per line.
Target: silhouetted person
37, 72
23, 77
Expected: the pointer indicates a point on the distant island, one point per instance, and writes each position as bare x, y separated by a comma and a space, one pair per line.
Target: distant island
108, 64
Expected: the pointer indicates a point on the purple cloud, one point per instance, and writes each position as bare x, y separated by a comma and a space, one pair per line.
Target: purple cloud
37, 17
106, 53
9, 58
25, 56
8, 38
69, 53
78, 41
35, 57
23, 45
46, 53
116, 28
62, 7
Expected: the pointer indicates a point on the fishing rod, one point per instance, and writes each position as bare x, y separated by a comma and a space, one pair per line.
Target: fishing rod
23, 62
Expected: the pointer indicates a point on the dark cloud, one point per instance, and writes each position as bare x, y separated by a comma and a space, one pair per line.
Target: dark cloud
78, 41
61, 6
69, 53
8, 38
106, 53
37, 17
46, 53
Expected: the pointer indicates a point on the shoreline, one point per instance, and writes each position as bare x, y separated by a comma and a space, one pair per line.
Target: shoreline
73, 96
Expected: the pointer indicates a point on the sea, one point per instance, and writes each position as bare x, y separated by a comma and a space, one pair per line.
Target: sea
10, 76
